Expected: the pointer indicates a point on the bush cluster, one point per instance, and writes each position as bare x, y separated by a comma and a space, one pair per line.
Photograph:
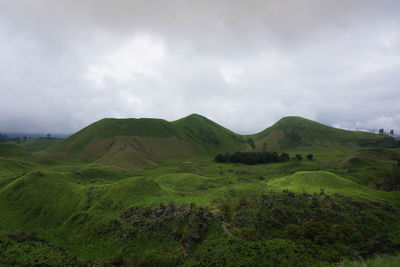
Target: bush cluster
252, 157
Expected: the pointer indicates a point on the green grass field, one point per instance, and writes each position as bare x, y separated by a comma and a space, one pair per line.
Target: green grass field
188, 210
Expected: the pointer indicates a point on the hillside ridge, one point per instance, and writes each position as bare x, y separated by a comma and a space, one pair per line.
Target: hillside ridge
152, 139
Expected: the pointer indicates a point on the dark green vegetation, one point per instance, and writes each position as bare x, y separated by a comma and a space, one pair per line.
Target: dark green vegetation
252, 157
381, 261
147, 192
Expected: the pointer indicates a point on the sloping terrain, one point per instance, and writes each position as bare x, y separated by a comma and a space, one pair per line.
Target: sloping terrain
117, 196
322, 181
207, 136
139, 143
39, 144
196, 213
12, 151
295, 132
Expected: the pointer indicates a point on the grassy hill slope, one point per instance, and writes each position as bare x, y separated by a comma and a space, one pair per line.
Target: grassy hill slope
12, 150
38, 200
322, 181
208, 136
39, 144
295, 132
108, 128
139, 143
197, 213
143, 142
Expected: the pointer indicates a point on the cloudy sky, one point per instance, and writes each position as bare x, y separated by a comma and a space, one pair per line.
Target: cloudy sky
244, 64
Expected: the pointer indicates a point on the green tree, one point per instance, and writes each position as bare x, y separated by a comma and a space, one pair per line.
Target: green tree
284, 157
299, 157
310, 156
220, 158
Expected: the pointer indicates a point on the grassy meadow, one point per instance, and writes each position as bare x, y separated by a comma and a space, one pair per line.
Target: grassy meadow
92, 211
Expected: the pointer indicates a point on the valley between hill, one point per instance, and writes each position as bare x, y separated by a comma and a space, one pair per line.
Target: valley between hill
147, 192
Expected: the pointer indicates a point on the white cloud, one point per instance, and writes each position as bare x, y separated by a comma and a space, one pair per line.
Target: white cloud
230, 73
141, 56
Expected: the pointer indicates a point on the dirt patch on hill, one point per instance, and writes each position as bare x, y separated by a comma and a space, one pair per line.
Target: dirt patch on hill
135, 152
156, 148
271, 141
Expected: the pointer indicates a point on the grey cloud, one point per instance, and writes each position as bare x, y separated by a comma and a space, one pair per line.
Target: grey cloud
245, 64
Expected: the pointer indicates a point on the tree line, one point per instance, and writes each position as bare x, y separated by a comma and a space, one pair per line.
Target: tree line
383, 132
18, 139
256, 157
6, 138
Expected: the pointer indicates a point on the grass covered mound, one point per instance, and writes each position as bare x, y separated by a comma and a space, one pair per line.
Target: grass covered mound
152, 139
223, 214
314, 181
293, 132
38, 199
317, 181
134, 204
281, 229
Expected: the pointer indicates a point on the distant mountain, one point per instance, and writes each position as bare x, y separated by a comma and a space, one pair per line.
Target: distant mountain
297, 132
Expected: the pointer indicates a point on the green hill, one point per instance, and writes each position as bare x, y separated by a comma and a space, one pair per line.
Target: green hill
38, 199
296, 132
207, 136
323, 181
110, 210
139, 143
108, 128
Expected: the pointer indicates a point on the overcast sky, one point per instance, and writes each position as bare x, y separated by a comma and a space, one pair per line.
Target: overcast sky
244, 64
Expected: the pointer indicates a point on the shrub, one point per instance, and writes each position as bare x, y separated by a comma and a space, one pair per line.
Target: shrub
299, 157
